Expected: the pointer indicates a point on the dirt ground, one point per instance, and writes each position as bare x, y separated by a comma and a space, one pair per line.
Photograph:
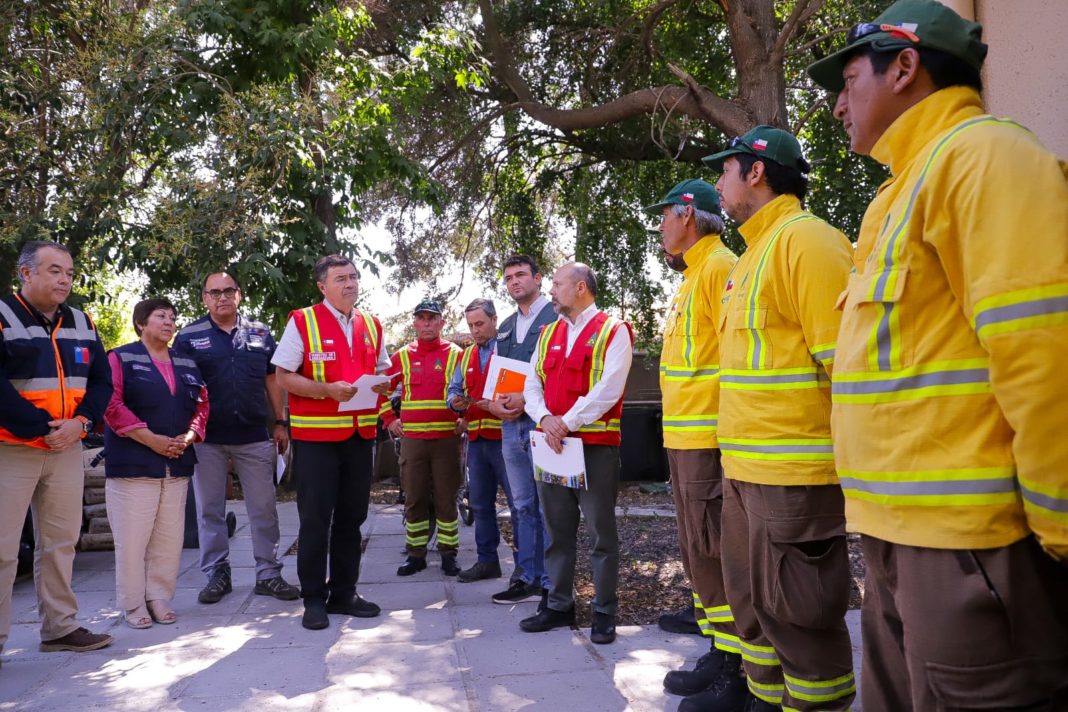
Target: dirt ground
651, 579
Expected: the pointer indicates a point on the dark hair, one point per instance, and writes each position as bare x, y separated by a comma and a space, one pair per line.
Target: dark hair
783, 180
28, 256
518, 260
485, 305
228, 273
144, 308
325, 263
585, 273
944, 69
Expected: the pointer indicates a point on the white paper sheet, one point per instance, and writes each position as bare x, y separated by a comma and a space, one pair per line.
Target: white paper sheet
365, 398
279, 469
566, 468
505, 375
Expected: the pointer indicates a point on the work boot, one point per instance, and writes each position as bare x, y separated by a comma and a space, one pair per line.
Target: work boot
704, 673
449, 567
683, 621
411, 565
218, 586
727, 693
479, 571
755, 704
277, 587
355, 606
603, 630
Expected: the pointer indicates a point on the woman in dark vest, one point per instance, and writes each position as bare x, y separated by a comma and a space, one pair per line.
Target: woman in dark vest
158, 408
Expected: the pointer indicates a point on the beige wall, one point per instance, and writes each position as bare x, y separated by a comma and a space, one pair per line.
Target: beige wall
1026, 72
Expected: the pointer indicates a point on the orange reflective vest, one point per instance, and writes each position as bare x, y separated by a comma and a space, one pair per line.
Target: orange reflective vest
328, 358
480, 424
424, 371
567, 377
54, 373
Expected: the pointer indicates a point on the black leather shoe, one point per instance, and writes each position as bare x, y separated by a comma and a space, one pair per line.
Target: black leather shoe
480, 571
728, 693
315, 617
449, 567
683, 621
755, 704
704, 673
356, 607
517, 592
603, 630
547, 620
411, 565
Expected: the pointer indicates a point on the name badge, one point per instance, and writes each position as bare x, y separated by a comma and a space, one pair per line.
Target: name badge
317, 356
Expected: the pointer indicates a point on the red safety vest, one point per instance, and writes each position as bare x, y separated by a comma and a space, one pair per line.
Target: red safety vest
425, 372
566, 378
56, 381
328, 358
480, 424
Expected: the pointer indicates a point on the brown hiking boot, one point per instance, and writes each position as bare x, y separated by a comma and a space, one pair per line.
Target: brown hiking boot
78, 641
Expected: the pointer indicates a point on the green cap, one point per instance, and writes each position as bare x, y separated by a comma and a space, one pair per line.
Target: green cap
906, 23
695, 192
428, 306
763, 142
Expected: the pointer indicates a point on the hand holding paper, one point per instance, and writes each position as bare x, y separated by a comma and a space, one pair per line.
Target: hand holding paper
366, 397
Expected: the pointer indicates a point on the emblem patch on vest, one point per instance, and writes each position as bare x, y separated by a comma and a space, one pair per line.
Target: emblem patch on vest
592, 341
438, 366
199, 344
317, 356
81, 354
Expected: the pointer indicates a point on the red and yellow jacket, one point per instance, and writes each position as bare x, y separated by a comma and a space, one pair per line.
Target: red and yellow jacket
328, 358
480, 424
423, 370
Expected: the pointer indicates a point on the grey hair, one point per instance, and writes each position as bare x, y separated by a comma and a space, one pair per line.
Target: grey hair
28, 256
335, 260
585, 273
485, 305
707, 223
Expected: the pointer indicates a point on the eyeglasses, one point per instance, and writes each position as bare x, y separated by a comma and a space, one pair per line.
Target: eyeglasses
216, 294
870, 28
736, 142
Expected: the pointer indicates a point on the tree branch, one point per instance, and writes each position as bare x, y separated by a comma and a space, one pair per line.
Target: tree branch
810, 113
801, 14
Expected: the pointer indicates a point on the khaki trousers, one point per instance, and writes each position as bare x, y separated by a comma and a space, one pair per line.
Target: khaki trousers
147, 516
786, 569
50, 483
964, 630
430, 472
697, 484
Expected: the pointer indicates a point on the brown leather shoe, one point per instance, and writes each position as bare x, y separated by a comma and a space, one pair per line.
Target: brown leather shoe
78, 641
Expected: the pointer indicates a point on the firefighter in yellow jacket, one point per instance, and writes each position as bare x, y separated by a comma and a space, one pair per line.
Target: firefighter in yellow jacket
691, 223
785, 562
949, 416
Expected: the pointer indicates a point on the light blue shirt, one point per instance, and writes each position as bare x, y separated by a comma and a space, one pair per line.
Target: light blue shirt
456, 387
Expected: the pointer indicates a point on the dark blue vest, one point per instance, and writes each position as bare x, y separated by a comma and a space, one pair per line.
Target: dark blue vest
510, 347
146, 394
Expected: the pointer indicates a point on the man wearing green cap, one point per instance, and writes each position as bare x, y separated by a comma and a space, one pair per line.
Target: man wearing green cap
691, 223
785, 562
949, 381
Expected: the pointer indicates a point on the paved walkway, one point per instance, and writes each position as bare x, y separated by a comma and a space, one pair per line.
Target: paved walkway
439, 645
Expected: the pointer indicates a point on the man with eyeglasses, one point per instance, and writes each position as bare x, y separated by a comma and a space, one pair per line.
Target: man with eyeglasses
785, 561
234, 353
949, 380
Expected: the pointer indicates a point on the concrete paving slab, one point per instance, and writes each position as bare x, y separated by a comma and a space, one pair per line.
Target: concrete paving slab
283, 630
289, 672
389, 542
530, 692
354, 664
494, 652
185, 602
446, 697
419, 625
408, 594
253, 701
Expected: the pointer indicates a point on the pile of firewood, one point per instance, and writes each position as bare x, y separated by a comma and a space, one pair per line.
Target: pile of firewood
96, 529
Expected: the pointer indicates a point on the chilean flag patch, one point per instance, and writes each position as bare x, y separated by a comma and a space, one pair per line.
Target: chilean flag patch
688, 197
760, 145
730, 285
81, 354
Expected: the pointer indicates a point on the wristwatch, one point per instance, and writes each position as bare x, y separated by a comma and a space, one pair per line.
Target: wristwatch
281, 422
87, 423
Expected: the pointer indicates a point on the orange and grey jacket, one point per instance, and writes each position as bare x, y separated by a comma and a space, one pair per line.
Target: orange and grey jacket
949, 383
48, 371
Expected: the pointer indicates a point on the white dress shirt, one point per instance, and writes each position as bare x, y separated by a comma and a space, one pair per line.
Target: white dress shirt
524, 321
289, 354
605, 394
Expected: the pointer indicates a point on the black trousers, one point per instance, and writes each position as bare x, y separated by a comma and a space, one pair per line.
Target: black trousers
333, 488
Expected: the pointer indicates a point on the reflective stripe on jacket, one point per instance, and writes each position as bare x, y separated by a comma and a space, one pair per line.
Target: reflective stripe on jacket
949, 383
689, 361
328, 358
777, 343
567, 377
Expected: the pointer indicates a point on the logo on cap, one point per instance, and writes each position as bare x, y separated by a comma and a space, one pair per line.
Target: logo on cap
760, 145
688, 197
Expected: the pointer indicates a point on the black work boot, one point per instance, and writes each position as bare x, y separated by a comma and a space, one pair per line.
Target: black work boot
704, 673
449, 567
683, 621
218, 586
727, 693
